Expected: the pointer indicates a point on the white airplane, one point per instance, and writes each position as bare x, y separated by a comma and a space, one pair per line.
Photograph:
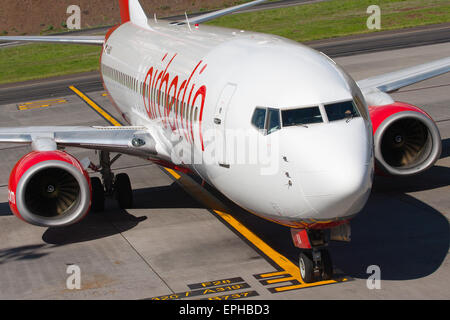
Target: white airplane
175, 83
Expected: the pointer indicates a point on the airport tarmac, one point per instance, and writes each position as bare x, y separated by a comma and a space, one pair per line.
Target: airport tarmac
182, 241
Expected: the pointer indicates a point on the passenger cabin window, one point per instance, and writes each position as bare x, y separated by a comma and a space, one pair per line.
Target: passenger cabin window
302, 116
341, 110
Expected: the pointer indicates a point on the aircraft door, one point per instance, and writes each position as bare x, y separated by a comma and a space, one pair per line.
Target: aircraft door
220, 123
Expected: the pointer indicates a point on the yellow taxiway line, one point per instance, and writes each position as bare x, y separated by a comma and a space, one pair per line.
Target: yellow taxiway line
94, 106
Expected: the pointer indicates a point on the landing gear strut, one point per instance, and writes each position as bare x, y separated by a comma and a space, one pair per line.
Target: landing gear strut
314, 262
110, 185
98, 195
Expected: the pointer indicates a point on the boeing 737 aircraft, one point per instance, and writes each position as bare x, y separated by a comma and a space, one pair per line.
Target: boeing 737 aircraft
187, 91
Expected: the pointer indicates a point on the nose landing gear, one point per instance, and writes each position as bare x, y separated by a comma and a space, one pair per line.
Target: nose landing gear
315, 265
315, 261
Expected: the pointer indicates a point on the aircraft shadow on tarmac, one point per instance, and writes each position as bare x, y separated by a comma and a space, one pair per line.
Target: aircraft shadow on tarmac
404, 236
4, 209
114, 220
445, 148
29, 252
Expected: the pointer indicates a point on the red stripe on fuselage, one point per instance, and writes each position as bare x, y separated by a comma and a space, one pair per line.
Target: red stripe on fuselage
156, 81
165, 79
147, 89
152, 97
180, 105
203, 69
189, 117
184, 96
174, 85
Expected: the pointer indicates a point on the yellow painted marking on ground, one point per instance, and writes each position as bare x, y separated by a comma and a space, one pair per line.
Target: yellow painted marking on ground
307, 285
40, 104
94, 106
280, 280
173, 173
31, 108
43, 101
273, 274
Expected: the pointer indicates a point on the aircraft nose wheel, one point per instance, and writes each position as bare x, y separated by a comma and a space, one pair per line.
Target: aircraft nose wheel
315, 265
306, 267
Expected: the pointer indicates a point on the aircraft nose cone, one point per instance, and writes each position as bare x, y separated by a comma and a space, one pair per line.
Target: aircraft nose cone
336, 174
335, 194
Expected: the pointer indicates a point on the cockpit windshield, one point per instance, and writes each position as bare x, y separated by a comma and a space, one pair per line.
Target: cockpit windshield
269, 120
341, 110
303, 116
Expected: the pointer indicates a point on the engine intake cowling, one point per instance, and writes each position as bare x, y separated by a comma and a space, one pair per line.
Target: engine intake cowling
407, 141
49, 189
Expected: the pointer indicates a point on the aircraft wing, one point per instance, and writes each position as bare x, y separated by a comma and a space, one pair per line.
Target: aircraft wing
90, 40
135, 141
393, 81
216, 14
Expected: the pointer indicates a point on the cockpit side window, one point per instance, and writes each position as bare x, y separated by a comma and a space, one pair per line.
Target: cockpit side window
259, 118
273, 120
342, 110
266, 120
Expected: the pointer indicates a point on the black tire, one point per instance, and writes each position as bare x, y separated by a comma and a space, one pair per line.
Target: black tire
327, 265
123, 191
306, 266
98, 195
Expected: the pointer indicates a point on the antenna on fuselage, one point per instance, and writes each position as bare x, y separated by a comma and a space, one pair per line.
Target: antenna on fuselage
187, 21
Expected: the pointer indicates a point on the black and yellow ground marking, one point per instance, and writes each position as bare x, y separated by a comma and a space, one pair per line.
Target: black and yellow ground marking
270, 278
286, 270
40, 104
235, 296
203, 292
284, 281
215, 283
